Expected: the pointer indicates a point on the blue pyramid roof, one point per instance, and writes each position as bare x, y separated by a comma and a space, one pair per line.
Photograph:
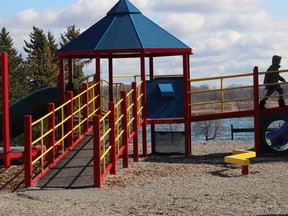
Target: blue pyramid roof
123, 29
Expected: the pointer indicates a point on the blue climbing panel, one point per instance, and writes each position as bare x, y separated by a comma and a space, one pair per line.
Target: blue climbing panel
165, 98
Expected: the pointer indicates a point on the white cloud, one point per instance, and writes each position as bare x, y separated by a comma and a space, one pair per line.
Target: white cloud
227, 36
207, 6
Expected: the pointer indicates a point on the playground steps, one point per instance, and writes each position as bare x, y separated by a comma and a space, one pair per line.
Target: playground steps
240, 157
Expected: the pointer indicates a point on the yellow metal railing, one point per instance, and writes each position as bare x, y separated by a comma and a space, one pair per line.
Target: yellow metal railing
119, 130
219, 91
60, 129
105, 149
130, 105
139, 100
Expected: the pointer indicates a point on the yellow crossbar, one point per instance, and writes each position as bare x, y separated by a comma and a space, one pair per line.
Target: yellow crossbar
240, 157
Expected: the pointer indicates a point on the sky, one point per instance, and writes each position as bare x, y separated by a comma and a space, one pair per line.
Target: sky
227, 36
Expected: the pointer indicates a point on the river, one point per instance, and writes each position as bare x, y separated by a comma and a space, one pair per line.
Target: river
226, 125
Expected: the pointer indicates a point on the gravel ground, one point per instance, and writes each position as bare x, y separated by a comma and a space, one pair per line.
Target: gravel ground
170, 185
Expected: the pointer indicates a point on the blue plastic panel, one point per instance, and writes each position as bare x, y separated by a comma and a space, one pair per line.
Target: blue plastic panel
166, 90
165, 107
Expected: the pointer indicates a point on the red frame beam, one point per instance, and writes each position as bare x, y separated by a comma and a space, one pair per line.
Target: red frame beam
5, 110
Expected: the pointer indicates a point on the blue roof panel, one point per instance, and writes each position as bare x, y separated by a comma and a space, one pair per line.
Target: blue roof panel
124, 27
121, 35
123, 6
153, 36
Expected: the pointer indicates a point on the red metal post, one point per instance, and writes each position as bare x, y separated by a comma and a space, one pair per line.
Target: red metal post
151, 68
97, 79
144, 117
86, 108
51, 137
135, 122
28, 150
70, 121
112, 138
5, 111
97, 151
124, 128
245, 170
70, 70
110, 79
187, 112
61, 79
257, 126
189, 102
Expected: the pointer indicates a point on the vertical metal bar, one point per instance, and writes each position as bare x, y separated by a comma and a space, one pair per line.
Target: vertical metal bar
112, 137
187, 112
86, 107
111, 94
151, 67
28, 150
135, 122
97, 151
5, 111
51, 136
97, 79
70, 70
144, 117
257, 126
245, 170
124, 128
61, 80
189, 102
70, 121
222, 94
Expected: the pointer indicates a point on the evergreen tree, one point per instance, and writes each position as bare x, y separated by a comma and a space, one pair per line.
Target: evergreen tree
78, 64
18, 74
41, 59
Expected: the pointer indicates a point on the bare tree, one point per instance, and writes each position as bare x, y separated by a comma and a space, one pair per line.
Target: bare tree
209, 129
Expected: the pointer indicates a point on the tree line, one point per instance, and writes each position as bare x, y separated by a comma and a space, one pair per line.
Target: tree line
41, 67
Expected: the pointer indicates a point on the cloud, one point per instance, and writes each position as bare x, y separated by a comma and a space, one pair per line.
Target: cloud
226, 36
207, 6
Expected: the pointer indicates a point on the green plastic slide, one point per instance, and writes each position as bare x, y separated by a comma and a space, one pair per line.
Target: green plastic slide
35, 104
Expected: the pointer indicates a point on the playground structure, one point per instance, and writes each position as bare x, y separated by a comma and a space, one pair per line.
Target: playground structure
115, 119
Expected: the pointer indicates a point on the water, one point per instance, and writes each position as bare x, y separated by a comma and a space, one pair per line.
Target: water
226, 125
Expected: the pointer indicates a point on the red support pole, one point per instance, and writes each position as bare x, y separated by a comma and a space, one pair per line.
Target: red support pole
257, 126
245, 170
187, 112
111, 94
70, 121
135, 122
86, 108
97, 151
70, 70
97, 79
124, 128
61, 79
144, 117
112, 138
28, 150
151, 68
5, 111
51, 137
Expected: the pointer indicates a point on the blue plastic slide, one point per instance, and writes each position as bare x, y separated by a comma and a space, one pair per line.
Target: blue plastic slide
35, 104
279, 137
